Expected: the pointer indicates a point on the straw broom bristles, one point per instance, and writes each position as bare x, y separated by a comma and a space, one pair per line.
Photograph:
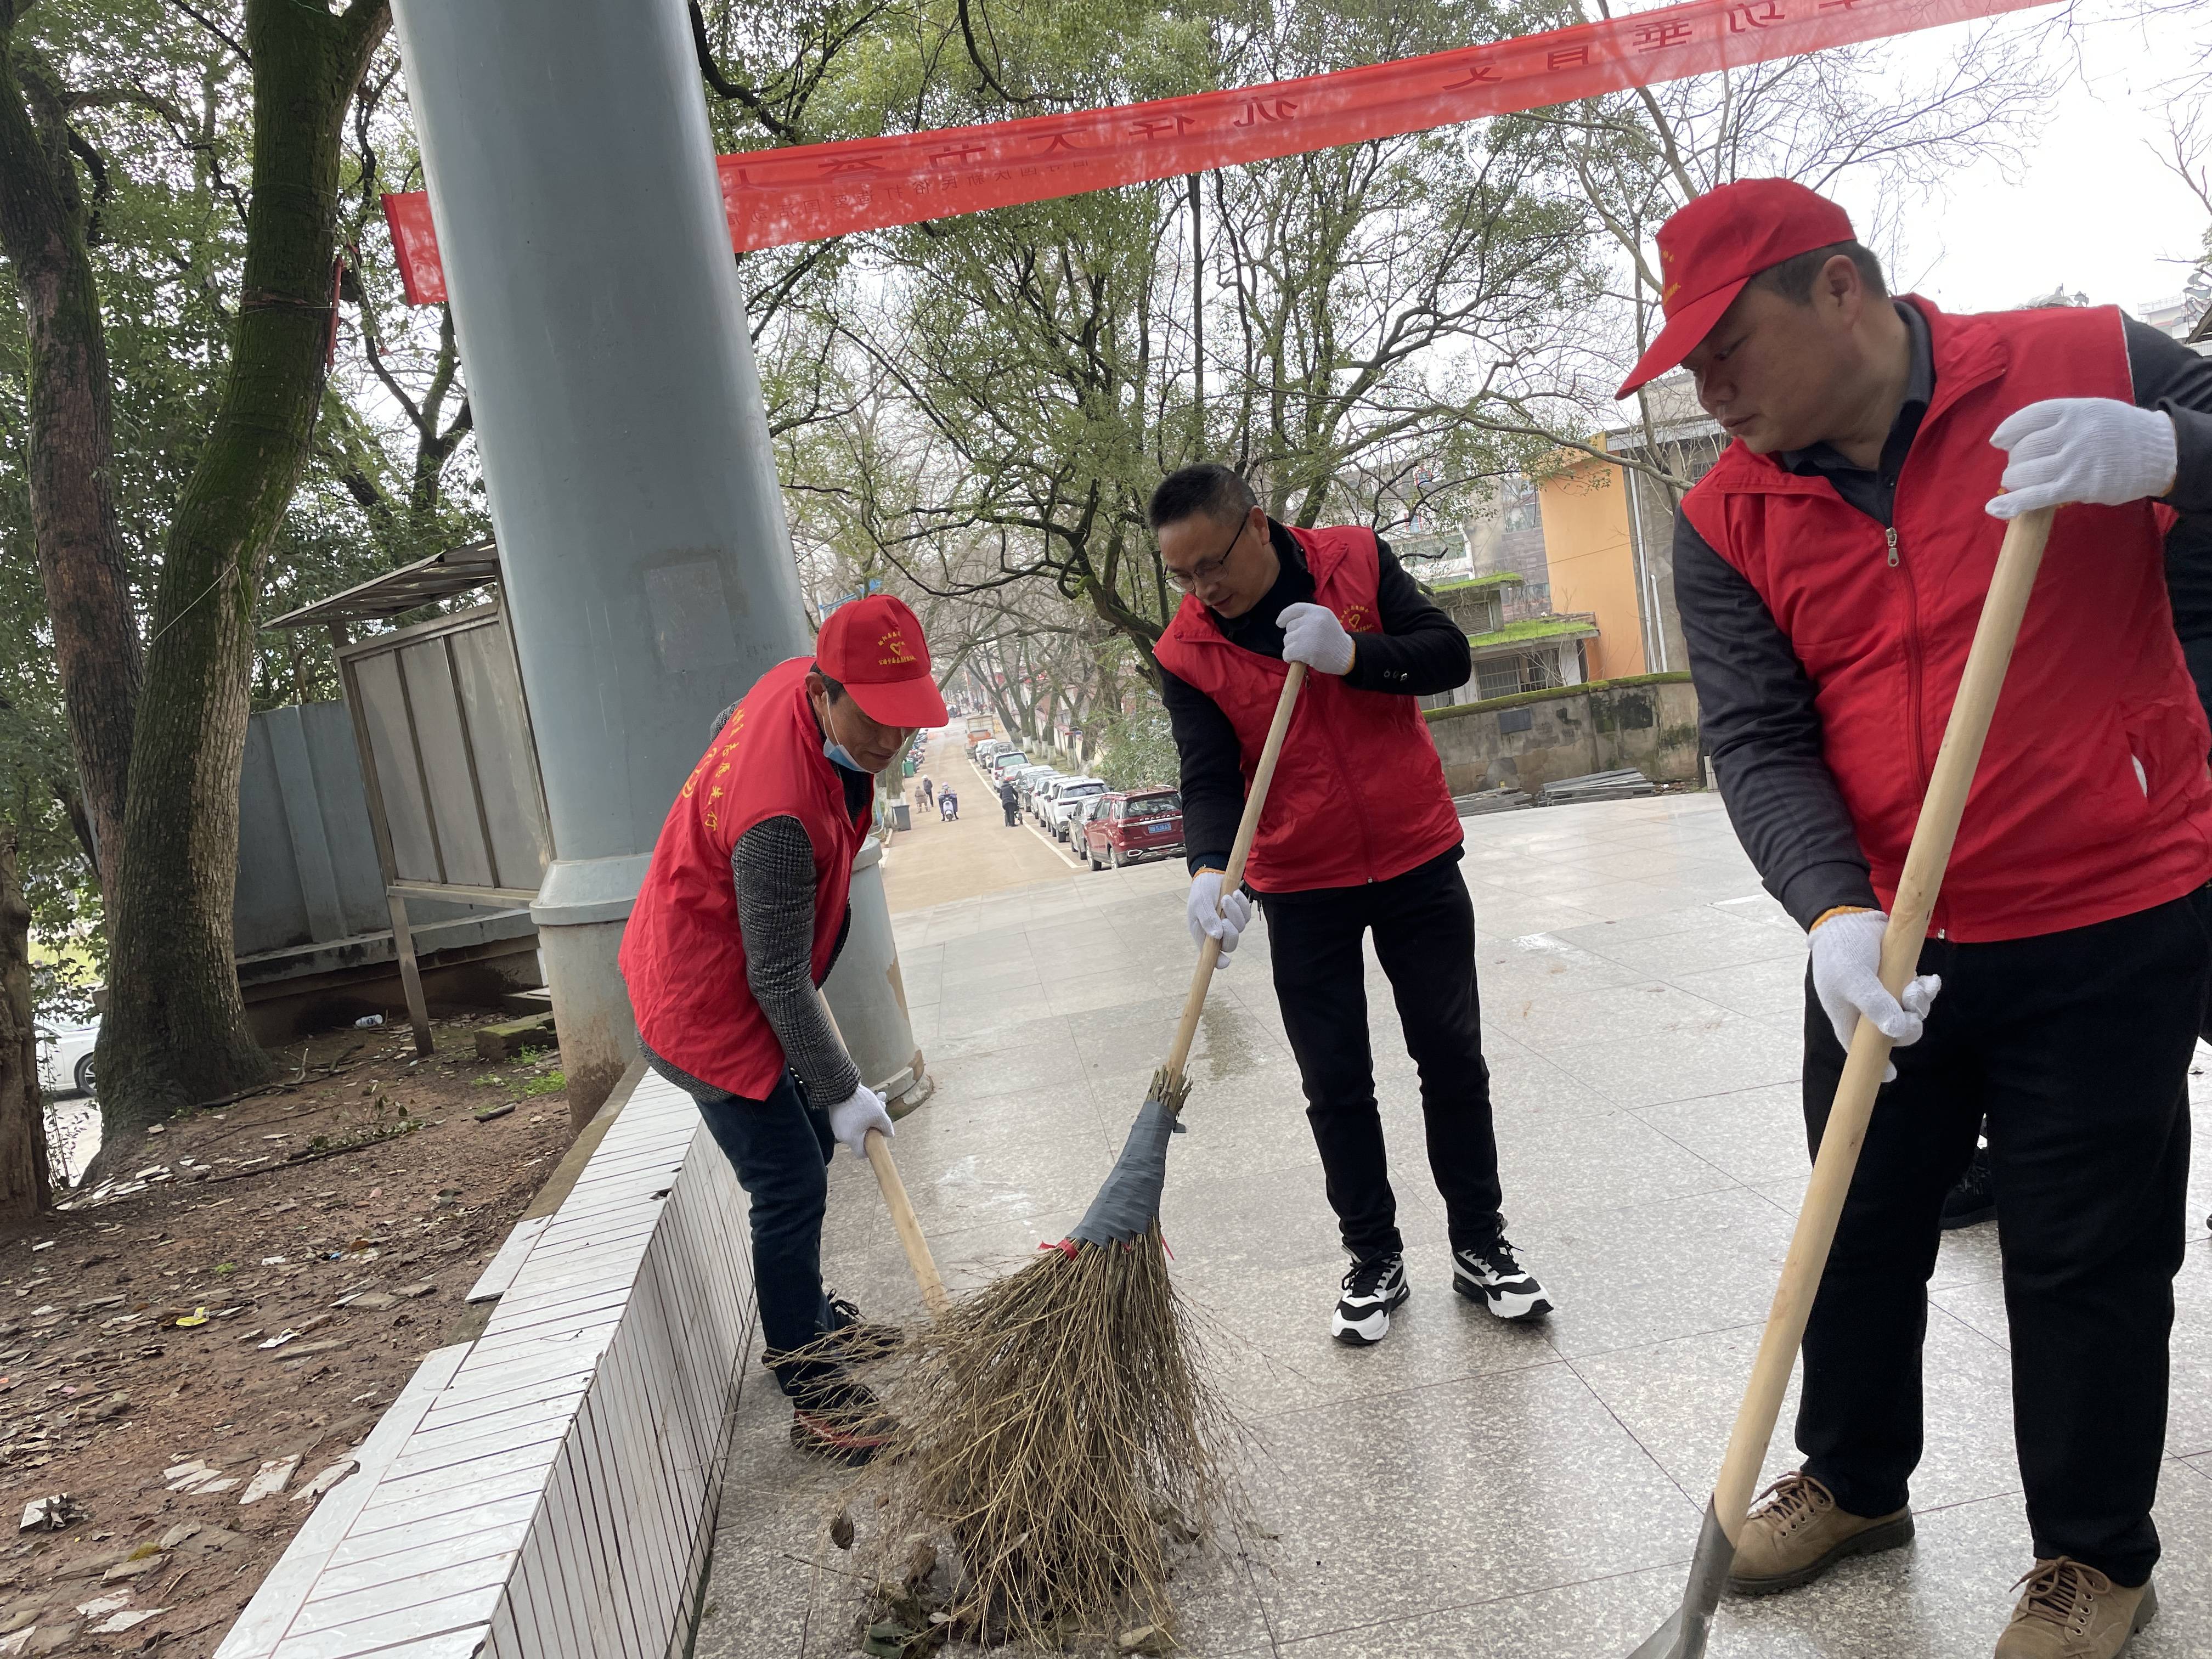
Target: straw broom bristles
1056, 1426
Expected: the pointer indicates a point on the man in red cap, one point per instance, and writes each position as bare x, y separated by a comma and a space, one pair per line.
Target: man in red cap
1830, 570
739, 920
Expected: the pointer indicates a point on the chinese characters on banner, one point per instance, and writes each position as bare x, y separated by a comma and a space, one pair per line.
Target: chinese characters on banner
774, 196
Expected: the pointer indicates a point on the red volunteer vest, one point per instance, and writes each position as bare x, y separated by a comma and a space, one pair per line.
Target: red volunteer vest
1359, 792
2091, 801
683, 953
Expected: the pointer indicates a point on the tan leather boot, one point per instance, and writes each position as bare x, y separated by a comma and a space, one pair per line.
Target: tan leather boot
2069, 1611
1797, 1533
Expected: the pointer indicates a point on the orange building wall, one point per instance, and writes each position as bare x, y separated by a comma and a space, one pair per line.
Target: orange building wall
1592, 565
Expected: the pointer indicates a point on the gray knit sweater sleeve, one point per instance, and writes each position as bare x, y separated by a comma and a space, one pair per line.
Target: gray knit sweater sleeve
772, 865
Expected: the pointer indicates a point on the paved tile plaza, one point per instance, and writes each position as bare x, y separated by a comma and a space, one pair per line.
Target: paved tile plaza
1466, 1488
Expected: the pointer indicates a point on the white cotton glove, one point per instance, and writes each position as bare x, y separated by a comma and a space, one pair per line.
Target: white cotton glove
1847, 978
1312, 635
851, 1120
2082, 449
1211, 913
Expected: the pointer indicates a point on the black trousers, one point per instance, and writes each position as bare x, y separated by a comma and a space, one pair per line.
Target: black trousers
2076, 1046
1424, 926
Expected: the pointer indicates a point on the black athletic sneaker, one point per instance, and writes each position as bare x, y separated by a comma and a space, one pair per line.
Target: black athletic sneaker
1494, 1277
1371, 1290
1974, 1200
840, 1419
851, 1340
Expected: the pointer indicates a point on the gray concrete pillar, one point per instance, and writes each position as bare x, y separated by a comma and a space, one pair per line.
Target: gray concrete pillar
643, 542
868, 997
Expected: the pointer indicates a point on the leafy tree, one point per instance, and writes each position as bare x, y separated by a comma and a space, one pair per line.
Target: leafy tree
175, 1029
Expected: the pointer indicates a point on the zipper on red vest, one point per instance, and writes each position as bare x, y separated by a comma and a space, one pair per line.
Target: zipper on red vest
1912, 663
1913, 690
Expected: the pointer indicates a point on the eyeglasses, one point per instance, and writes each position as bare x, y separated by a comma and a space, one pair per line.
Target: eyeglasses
1207, 569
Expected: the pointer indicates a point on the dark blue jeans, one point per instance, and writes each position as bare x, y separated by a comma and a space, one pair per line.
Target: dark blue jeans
780, 1149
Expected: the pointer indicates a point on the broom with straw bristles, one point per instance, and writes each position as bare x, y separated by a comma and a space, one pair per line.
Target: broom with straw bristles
1059, 1425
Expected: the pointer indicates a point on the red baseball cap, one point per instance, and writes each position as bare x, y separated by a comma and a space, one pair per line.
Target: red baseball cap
873, 648
1713, 246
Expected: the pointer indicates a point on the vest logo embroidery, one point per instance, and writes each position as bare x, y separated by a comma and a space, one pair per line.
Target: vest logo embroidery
737, 734
1353, 616
892, 650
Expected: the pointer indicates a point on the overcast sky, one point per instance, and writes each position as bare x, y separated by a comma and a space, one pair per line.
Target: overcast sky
2093, 208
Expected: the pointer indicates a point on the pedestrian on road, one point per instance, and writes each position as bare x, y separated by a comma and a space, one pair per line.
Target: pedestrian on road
928, 796
1359, 834
1830, 570
1012, 802
740, 919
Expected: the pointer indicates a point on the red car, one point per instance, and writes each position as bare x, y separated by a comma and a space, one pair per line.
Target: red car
1134, 825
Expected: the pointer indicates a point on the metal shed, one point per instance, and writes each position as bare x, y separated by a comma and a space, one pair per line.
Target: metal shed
455, 805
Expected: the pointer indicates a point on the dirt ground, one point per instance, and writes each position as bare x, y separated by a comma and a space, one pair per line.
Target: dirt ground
249, 1313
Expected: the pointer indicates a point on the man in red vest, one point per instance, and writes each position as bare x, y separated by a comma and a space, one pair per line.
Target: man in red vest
1359, 834
1830, 570
739, 920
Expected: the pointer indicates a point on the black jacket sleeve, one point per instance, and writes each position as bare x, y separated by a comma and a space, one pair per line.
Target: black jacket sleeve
1213, 780
2171, 377
1419, 651
1755, 707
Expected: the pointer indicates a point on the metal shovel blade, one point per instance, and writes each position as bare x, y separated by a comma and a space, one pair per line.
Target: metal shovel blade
1683, 1636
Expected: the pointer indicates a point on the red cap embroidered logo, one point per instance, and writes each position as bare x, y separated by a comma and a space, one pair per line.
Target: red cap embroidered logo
874, 648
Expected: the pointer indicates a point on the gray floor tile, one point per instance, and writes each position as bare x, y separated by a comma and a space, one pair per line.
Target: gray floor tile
1680, 1399
1404, 1500
1753, 1135
1560, 1167
1730, 1054
1628, 1278
1774, 986
1269, 1333
1545, 1020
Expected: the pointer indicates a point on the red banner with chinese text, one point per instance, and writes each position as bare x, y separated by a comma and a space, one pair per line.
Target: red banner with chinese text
778, 196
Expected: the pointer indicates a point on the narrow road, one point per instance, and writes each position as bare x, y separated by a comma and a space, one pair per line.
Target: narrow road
935, 862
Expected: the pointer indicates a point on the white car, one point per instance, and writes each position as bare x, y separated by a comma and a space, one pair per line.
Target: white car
1067, 797
1003, 763
1027, 781
66, 1057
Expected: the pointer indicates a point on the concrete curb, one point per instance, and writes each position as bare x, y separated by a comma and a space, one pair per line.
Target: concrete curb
547, 1491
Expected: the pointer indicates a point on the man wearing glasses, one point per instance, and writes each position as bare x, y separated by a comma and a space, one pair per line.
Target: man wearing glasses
1359, 834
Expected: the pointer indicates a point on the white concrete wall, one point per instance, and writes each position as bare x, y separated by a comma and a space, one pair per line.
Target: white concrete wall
547, 1491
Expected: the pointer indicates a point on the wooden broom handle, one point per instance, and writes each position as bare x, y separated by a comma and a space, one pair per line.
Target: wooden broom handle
903, 1223
895, 1199
1932, 837
1256, 801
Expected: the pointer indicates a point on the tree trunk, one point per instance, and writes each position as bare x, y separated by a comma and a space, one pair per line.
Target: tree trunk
25, 1177
70, 443
175, 1032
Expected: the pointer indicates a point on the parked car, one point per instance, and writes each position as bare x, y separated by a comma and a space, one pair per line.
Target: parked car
1039, 795
1039, 792
1005, 762
1067, 796
66, 1057
1025, 785
1134, 826
1079, 815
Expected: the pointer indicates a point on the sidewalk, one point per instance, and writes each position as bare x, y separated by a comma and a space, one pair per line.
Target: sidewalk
1467, 1488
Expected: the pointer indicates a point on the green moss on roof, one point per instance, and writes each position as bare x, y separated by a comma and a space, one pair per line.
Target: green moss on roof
1539, 628
1549, 693
1500, 579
